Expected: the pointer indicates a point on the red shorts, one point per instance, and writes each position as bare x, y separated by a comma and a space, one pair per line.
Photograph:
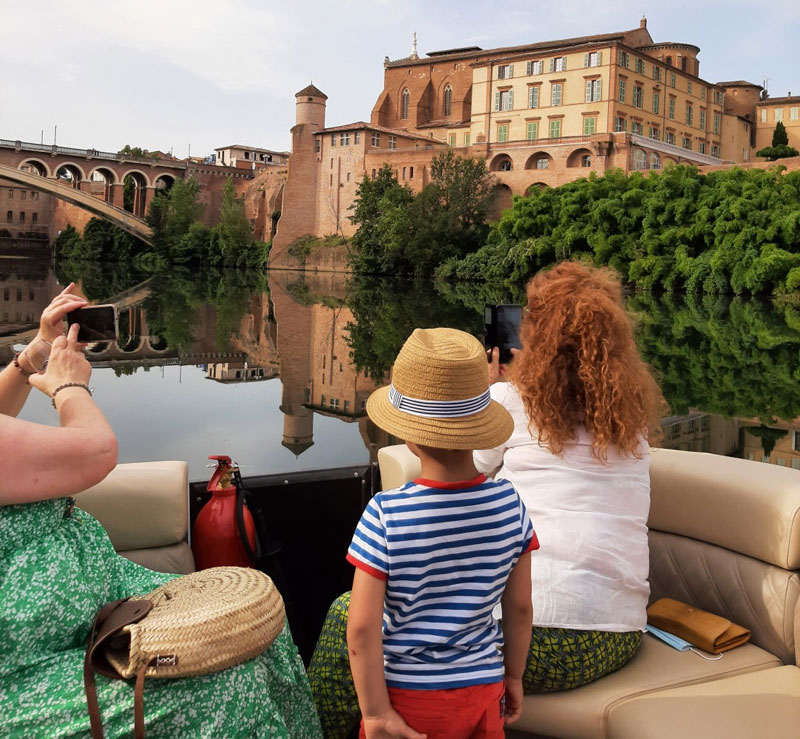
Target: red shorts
475, 712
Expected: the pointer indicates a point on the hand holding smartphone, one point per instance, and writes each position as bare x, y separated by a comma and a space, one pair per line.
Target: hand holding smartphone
502, 329
97, 323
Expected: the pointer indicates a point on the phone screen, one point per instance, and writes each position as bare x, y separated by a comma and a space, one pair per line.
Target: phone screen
97, 322
502, 329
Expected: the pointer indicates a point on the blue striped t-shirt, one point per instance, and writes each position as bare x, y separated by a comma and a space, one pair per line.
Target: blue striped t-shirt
445, 551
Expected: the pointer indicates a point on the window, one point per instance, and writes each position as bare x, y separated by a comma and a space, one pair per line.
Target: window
778, 119
555, 129
10, 217
448, 101
703, 93
683, 64
356, 136
654, 133
689, 86
689, 114
404, 99
505, 165
715, 151
404, 173
636, 127
502, 132
586, 160
702, 121
555, 93
451, 139
392, 141
346, 406
376, 138
796, 441
716, 122
344, 139
34, 219
656, 73
589, 125
624, 59
10, 193
535, 67
333, 139
672, 109
533, 96
656, 102
640, 66
410, 176
620, 124
792, 114
592, 59
622, 91
594, 90
669, 137
247, 155
532, 130
505, 71
22, 216
316, 145
687, 143
655, 161
672, 79
504, 100
542, 162
638, 96
24, 194
334, 404
558, 64
701, 147
639, 159
763, 115
466, 139
718, 97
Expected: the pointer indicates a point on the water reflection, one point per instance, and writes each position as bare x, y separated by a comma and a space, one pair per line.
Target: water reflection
729, 368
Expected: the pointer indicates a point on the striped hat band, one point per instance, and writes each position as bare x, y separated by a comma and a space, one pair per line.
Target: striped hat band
438, 408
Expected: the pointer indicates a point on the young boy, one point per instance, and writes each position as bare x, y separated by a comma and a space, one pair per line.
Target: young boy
434, 557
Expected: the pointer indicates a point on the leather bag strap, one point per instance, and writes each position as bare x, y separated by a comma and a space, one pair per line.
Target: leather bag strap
109, 622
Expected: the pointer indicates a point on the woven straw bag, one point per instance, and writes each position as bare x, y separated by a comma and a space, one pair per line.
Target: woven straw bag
199, 623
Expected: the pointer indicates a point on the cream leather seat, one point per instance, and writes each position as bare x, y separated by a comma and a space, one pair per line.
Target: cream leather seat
724, 536
144, 507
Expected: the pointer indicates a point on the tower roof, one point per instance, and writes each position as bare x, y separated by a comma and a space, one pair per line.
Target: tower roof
311, 90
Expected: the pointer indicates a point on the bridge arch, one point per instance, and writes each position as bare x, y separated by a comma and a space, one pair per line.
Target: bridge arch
70, 172
164, 182
107, 176
539, 160
34, 166
140, 185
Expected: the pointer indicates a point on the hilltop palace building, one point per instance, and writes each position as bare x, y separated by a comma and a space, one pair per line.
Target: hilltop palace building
540, 114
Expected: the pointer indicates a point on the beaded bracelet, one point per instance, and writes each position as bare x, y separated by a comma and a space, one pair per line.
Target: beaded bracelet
19, 367
66, 385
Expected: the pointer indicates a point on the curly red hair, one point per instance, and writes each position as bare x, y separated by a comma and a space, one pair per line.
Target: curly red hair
579, 364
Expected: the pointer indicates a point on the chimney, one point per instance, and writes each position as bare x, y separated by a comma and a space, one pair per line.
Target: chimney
643, 22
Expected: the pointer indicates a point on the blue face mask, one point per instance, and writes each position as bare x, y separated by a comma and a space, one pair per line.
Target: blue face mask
677, 643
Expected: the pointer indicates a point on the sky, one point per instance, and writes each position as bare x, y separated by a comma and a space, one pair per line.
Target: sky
193, 75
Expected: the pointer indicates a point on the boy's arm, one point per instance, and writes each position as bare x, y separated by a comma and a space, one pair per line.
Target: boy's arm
517, 629
365, 646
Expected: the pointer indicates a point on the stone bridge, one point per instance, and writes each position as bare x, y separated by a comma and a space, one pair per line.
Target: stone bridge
118, 216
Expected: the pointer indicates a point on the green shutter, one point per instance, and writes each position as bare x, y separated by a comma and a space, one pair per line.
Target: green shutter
497, 99
586, 59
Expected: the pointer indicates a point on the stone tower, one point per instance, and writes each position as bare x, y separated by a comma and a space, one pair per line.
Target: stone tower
299, 208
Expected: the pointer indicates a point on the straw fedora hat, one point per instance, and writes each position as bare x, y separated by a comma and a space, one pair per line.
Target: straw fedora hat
439, 395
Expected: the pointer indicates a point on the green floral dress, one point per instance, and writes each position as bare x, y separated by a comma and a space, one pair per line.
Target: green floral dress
56, 571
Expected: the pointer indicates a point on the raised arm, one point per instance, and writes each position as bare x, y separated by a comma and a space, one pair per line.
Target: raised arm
47, 462
14, 386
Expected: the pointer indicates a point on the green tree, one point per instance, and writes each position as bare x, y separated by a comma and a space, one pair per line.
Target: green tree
232, 237
779, 135
136, 152
171, 215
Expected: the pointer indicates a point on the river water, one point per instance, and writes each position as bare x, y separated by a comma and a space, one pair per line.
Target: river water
274, 369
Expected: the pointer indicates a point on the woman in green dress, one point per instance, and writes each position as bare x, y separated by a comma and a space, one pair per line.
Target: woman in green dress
57, 568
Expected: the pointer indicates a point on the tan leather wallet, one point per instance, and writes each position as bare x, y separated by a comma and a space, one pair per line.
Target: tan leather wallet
703, 629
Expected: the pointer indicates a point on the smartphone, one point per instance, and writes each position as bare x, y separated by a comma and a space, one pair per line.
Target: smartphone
97, 322
502, 329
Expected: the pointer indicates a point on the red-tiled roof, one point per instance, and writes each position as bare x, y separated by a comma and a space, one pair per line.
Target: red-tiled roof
311, 90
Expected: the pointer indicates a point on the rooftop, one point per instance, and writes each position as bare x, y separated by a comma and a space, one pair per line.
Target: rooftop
247, 147
363, 125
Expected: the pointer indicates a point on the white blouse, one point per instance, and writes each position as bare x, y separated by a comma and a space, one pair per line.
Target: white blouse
590, 572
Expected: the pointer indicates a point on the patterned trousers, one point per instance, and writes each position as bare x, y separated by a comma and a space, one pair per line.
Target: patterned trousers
559, 659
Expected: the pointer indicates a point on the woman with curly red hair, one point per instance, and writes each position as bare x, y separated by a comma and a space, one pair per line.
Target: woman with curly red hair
584, 405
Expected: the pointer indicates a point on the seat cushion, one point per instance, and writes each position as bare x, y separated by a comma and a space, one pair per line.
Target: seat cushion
759, 704
582, 712
175, 558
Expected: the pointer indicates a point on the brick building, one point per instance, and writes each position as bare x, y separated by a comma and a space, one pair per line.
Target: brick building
771, 111
24, 213
540, 114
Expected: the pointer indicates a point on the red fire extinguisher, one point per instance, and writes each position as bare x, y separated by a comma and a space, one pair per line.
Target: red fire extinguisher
224, 532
